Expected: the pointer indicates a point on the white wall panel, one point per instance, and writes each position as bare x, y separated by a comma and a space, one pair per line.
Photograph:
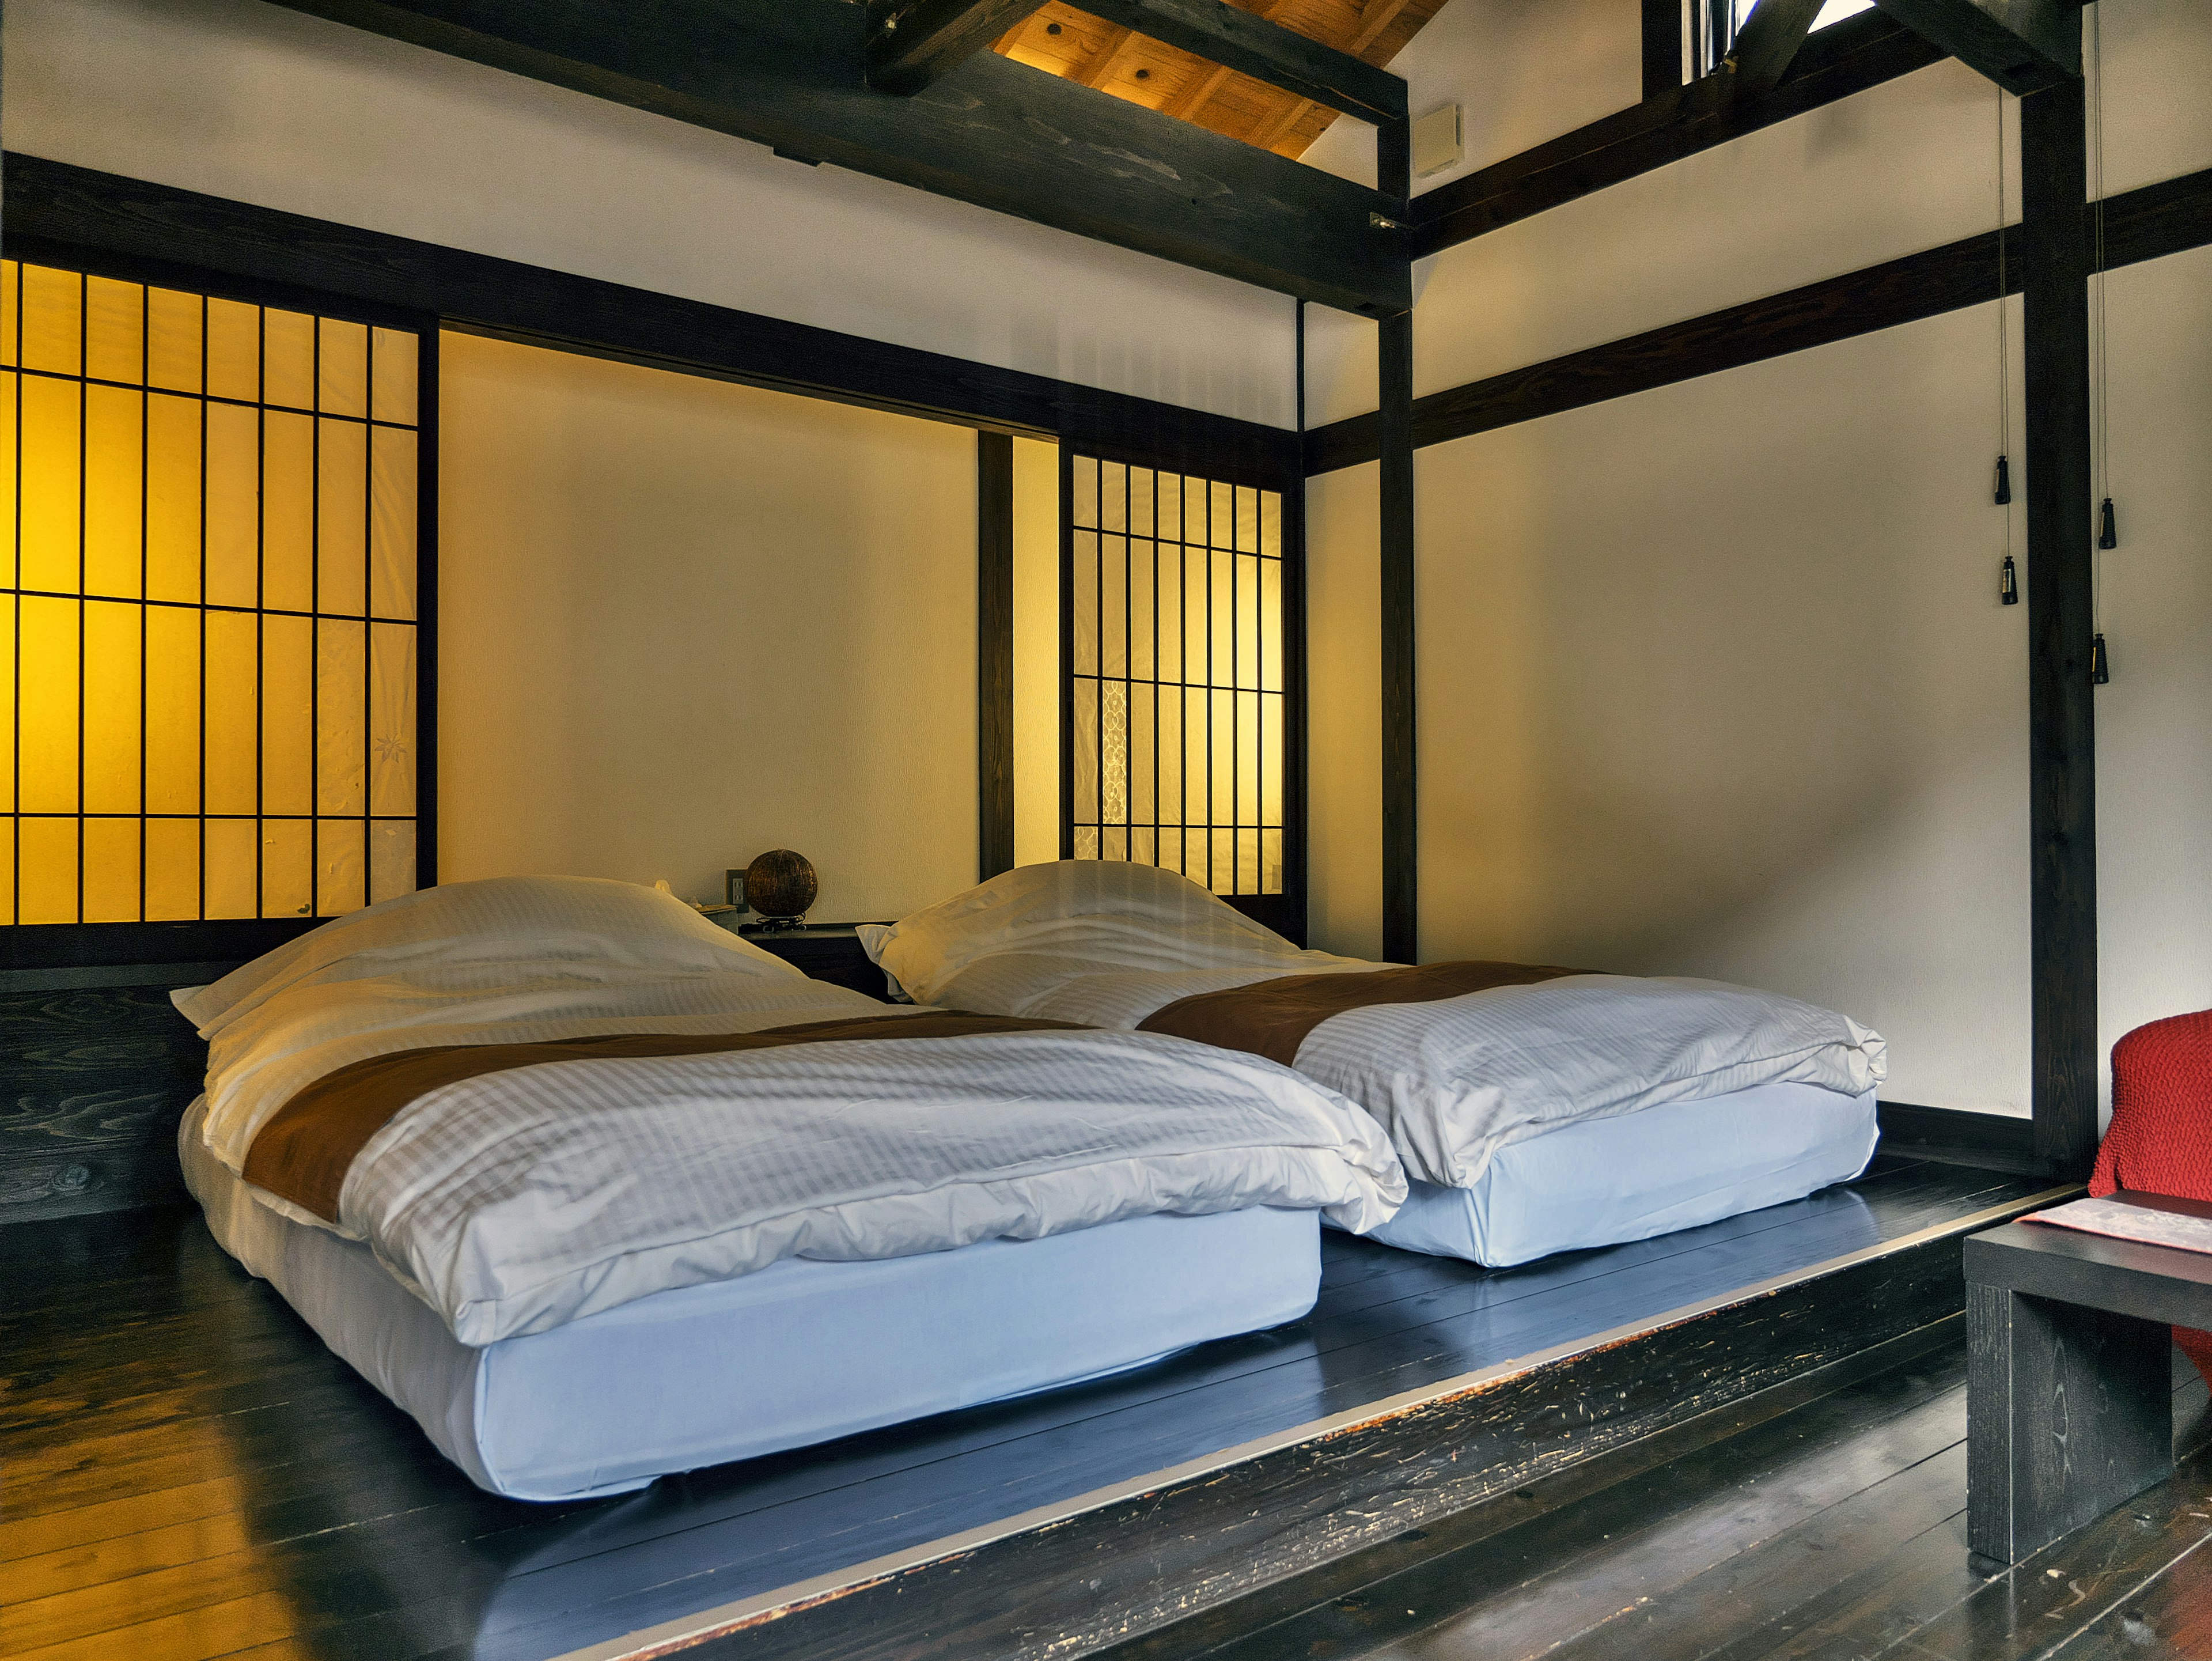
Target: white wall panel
1715, 681
683, 622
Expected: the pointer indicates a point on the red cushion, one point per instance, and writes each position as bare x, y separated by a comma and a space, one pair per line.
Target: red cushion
2160, 1141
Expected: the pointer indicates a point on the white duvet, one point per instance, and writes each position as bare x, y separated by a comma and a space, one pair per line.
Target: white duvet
520, 1200
1455, 1080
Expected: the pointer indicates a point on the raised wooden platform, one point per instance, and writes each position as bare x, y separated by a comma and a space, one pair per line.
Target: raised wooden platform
191, 1474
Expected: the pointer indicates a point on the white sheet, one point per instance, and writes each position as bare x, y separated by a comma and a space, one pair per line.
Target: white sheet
1602, 1182
1455, 1080
794, 1355
518, 1201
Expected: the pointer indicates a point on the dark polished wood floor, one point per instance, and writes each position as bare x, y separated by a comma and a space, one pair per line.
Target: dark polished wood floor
189, 1474
1835, 1530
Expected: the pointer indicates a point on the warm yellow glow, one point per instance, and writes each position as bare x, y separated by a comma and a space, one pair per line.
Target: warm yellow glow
1177, 708
206, 604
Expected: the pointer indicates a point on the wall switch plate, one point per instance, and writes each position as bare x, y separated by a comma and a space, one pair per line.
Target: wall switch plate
1437, 142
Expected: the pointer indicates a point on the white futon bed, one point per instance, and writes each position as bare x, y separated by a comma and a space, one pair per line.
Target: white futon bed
1536, 1109
597, 1191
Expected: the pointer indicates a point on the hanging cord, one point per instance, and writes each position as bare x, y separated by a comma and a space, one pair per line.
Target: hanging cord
2009, 576
2107, 527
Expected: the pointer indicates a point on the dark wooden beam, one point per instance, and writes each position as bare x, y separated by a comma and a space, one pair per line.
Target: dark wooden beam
2147, 223
995, 655
1251, 45
2021, 45
2062, 715
1662, 47
129, 227
912, 43
992, 132
1401, 867
1768, 41
1675, 122
1401, 936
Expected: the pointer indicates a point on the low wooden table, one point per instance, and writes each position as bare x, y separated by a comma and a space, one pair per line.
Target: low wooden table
2069, 1384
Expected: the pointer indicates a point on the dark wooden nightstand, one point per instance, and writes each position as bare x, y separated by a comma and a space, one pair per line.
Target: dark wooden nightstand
826, 951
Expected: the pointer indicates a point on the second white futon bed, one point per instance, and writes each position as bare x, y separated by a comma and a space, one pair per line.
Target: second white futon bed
596, 1190
1537, 1109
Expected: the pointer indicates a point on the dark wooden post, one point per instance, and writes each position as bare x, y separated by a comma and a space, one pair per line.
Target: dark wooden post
1395, 348
1663, 48
2061, 728
994, 654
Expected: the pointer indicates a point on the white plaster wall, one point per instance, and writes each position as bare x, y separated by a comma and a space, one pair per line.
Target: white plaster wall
1908, 165
1715, 681
683, 622
1344, 713
251, 102
2155, 720
1521, 70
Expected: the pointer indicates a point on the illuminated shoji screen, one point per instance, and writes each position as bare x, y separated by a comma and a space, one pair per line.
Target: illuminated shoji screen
1173, 637
210, 616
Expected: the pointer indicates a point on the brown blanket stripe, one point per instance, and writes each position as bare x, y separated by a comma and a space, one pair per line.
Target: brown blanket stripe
1271, 1017
308, 1145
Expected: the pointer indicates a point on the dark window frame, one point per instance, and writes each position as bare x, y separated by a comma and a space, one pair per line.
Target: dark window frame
215, 940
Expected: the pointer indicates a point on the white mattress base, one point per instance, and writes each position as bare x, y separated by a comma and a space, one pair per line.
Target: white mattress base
799, 1353
1603, 1182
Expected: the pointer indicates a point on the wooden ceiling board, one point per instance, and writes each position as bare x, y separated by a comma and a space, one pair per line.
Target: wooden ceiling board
1061, 40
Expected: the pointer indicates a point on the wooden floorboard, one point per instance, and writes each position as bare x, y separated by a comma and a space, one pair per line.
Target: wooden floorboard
190, 1474
1835, 1530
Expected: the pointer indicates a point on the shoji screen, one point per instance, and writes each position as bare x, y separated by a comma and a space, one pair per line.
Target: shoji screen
208, 605
1173, 630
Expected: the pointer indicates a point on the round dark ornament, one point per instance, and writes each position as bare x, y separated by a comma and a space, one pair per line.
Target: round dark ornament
780, 885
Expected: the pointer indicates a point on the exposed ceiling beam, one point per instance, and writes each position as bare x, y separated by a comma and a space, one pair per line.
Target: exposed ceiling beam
1251, 45
788, 74
1768, 41
2024, 46
912, 43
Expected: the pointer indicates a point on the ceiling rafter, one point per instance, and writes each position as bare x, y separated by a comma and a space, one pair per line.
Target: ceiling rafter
1109, 62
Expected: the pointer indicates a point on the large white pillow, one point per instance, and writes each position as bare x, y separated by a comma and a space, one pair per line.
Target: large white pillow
587, 924
1110, 912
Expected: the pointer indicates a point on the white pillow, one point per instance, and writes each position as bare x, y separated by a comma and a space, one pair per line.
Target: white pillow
1111, 913
588, 923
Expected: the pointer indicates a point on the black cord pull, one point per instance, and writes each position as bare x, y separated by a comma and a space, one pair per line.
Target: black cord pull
2004, 481
2108, 529
2100, 672
2009, 583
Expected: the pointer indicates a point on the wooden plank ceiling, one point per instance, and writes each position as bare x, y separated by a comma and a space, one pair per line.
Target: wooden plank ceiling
1067, 42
